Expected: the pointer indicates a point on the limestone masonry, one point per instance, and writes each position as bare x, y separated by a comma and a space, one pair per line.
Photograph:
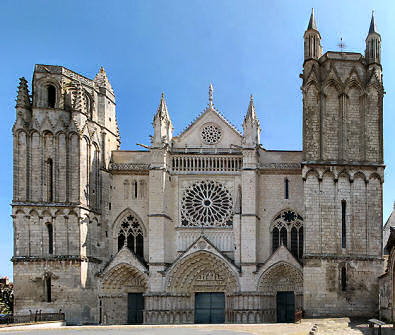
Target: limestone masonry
207, 226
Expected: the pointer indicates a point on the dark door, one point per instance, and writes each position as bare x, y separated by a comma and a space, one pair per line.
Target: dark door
285, 307
135, 308
209, 308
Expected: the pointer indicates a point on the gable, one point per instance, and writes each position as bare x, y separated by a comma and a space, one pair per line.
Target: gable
210, 130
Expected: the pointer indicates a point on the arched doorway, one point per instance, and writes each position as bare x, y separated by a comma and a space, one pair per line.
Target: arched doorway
282, 285
121, 298
206, 280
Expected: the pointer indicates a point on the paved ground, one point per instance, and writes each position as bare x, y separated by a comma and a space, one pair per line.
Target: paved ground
340, 326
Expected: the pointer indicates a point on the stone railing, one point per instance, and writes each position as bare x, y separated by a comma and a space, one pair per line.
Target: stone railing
206, 163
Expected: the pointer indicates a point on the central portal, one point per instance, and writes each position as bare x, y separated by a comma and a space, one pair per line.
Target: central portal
209, 307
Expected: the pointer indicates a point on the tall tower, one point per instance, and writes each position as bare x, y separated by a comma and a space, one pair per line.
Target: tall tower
343, 175
63, 137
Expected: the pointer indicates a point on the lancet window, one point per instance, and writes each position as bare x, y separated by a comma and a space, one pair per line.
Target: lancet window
131, 235
287, 230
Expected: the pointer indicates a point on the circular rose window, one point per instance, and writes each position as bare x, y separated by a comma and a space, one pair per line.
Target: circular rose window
211, 134
206, 203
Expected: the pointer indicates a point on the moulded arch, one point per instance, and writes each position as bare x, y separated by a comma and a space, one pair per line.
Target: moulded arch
344, 173
328, 173
361, 175
123, 277
33, 212
20, 212
201, 270
124, 213
39, 91
281, 276
278, 216
312, 172
375, 175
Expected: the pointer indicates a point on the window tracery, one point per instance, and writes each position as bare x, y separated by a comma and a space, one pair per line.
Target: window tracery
206, 203
211, 134
131, 235
287, 230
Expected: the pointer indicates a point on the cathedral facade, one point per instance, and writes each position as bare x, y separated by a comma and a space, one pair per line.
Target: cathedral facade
207, 226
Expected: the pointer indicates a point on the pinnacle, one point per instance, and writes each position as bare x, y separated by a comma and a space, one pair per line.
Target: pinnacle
102, 81
162, 112
373, 28
23, 99
312, 24
251, 114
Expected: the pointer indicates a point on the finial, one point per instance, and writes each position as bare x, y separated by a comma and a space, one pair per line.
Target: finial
251, 98
312, 23
372, 28
102, 70
210, 95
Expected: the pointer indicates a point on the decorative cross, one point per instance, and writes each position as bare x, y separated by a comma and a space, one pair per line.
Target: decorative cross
341, 44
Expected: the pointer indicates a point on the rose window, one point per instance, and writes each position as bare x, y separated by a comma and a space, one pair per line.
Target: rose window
211, 134
208, 204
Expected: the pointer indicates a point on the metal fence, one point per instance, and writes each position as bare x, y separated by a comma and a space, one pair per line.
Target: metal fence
31, 318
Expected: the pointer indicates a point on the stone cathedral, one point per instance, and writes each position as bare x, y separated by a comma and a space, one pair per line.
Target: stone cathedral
207, 226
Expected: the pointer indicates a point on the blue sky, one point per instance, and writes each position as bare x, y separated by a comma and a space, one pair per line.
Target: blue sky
179, 47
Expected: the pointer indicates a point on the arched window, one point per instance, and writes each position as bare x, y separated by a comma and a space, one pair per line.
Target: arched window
276, 239
131, 235
287, 230
50, 238
51, 96
50, 179
48, 289
344, 278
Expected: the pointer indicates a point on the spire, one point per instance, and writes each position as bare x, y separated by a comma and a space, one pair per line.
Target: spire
101, 80
372, 28
210, 96
312, 24
23, 99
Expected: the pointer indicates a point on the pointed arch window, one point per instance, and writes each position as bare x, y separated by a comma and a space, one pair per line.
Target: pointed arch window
287, 230
51, 96
131, 235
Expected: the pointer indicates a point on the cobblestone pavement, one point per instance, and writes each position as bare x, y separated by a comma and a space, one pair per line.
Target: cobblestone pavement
343, 326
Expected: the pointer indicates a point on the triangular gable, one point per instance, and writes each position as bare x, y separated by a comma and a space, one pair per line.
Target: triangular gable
191, 136
125, 256
283, 255
202, 243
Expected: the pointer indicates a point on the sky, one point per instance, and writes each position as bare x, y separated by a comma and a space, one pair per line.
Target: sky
179, 47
